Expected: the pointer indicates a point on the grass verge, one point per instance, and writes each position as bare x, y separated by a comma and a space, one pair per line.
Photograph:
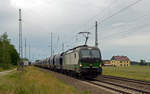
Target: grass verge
33, 81
9, 68
133, 72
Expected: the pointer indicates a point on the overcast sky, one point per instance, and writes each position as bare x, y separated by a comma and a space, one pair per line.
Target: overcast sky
127, 33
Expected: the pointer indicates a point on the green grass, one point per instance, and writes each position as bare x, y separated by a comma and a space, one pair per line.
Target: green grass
85, 92
33, 81
9, 68
133, 72
1, 69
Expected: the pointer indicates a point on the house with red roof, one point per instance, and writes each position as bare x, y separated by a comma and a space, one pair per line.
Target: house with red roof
120, 61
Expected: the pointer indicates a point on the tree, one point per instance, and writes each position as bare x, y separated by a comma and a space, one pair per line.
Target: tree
8, 53
1, 52
142, 62
14, 55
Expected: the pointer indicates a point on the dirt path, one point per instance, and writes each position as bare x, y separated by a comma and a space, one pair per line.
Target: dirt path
6, 72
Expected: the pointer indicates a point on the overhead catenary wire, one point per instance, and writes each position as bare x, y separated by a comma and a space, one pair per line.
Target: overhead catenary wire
121, 10
136, 27
116, 13
96, 16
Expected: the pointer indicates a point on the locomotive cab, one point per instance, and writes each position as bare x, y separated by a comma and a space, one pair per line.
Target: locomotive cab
90, 61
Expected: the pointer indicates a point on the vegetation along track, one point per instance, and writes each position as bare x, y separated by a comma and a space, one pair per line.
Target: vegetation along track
117, 87
126, 79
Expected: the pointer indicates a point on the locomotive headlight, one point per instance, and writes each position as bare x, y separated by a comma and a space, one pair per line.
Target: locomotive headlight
80, 65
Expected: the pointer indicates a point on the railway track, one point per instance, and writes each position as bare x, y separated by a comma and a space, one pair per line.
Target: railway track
126, 79
118, 88
114, 87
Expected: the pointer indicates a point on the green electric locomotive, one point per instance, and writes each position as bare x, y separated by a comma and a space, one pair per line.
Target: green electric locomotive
83, 60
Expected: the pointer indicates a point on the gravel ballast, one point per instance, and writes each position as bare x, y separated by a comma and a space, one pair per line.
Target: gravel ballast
80, 85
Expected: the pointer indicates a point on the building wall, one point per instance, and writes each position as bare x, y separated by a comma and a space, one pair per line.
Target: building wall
107, 63
120, 63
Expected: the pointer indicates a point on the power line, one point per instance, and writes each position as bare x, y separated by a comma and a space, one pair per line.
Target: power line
116, 13
131, 29
121, 10
125, 32
137, 27
96, 16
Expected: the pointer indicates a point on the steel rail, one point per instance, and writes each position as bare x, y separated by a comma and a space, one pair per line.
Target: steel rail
126, 79
125, 87
107, 87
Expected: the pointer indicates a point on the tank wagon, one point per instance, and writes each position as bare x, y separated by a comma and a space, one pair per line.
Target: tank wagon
84, 61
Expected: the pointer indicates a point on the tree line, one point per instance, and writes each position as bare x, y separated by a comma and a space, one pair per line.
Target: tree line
8, 54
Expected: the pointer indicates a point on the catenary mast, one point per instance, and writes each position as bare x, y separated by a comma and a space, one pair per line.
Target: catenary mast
96, 35
20, 35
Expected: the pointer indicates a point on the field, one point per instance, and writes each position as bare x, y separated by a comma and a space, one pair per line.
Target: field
33, 81
1, 69
10, 68
134, 72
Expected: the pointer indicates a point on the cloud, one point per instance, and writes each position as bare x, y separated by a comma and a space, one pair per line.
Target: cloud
65, 18
136, 40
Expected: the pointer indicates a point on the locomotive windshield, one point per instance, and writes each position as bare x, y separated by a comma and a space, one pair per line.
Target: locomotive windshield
85, 53
90, 53
95, 54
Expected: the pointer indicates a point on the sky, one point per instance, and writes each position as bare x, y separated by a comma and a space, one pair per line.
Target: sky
126, 33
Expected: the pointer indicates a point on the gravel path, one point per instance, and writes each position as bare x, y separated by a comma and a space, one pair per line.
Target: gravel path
6, 72
81, 86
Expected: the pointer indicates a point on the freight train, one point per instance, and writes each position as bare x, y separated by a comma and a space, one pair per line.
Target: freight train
82, 61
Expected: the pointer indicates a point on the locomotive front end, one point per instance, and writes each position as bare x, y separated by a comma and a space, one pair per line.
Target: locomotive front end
90, 62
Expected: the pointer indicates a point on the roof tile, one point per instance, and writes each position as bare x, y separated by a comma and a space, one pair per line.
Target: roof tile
120, 58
